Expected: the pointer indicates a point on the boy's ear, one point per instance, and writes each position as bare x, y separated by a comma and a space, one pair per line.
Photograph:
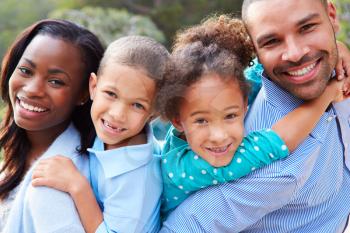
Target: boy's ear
177, 124
92, 85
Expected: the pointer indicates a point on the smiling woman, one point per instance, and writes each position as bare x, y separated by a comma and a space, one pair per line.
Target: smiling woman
44, 84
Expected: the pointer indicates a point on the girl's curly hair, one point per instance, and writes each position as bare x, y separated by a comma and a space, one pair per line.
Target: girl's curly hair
219, 45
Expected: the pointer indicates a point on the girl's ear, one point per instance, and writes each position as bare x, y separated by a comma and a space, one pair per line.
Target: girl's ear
92, 85
177, 124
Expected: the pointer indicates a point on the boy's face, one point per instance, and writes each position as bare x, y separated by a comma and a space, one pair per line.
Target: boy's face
122, 103
211, 117
295, 42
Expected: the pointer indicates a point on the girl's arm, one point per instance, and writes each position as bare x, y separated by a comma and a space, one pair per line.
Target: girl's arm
60, 173
296, 125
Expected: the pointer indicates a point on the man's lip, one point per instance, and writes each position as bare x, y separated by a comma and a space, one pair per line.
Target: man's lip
300, 67
305, 77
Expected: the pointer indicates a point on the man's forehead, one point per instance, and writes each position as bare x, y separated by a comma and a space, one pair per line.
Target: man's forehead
271, 13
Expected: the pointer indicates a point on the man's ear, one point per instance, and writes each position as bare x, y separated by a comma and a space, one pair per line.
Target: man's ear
92, 85
177, 124
332, 14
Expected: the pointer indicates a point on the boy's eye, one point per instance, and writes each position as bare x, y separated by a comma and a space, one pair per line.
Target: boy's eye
111, 94
139, 106
200, 121
25, 71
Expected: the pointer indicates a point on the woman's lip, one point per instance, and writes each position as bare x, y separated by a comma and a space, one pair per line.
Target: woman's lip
25, 102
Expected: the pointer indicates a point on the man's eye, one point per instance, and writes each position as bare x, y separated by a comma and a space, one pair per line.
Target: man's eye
270, 43
307, 27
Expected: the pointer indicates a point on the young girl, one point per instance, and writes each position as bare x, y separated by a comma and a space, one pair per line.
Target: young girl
205, 98
44, 83
124, 160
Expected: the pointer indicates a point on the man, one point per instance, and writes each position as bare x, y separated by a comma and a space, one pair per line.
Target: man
310, 190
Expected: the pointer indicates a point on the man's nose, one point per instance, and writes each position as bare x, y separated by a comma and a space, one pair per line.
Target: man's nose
294, 50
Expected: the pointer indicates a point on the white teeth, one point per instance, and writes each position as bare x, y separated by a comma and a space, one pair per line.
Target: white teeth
218, 149
303, 71
31, 107
117, 129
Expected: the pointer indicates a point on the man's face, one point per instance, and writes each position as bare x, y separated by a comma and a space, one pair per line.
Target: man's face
295, 42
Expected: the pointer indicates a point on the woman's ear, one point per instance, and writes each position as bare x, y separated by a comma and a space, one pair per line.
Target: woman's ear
177, 124
92, 85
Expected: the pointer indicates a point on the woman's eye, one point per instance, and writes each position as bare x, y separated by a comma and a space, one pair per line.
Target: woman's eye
25, 71
57, 82
139, 106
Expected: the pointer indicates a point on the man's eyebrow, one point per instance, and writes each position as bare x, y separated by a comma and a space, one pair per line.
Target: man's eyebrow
308, 18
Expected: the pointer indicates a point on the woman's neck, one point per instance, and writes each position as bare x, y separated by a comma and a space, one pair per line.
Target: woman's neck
41, 140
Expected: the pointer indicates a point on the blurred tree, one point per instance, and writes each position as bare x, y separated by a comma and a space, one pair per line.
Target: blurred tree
171, 15
343, 7
110, 24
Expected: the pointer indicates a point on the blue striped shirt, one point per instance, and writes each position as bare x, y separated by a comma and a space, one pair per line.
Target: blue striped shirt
309, 191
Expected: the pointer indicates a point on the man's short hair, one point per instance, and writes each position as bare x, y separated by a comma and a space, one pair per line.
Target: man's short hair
246, 4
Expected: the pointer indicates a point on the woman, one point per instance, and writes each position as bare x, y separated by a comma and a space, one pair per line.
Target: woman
44, 82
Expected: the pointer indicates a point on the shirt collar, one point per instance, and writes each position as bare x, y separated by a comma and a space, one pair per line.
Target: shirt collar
286, 102
124, 159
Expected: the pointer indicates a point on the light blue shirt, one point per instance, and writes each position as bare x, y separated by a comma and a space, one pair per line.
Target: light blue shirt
127, 185
43, 209
309, 191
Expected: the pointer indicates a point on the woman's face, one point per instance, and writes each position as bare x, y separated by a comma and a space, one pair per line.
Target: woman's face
46, 85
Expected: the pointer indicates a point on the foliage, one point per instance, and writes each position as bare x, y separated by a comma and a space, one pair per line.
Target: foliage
110, 24
343, 7
172, 15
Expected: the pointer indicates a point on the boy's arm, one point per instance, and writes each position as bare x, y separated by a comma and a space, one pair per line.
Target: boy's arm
60, 173
295, 126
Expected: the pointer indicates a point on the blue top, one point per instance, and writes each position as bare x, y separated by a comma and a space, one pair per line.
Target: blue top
43, 209
127, 185
184, 172
306, 192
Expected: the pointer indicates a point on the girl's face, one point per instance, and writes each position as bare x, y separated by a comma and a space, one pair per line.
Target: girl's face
122, 103
46, 85
211, 117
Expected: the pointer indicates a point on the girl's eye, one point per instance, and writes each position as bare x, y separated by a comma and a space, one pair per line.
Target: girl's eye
139, 106
25, 71
230, 116
56, 82
201, 121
